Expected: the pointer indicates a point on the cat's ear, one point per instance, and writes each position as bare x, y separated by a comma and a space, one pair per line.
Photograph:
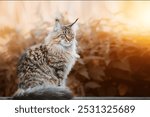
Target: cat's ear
57, 25
73, 22
74, 26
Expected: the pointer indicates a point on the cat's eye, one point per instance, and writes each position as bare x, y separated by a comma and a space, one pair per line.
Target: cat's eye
62, 36
68, 31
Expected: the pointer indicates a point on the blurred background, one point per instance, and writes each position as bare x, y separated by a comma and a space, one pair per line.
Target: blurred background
116, 61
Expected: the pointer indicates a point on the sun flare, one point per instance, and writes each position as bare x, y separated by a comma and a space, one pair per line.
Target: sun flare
139, 15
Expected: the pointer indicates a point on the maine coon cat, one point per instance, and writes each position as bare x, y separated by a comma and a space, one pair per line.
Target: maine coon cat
43, 68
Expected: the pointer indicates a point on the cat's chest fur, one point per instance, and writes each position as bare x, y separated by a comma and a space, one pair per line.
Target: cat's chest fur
62, 56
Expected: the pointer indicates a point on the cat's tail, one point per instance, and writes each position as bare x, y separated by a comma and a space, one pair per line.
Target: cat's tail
43, 93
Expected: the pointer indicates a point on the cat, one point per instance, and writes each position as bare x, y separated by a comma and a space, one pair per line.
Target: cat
43, 69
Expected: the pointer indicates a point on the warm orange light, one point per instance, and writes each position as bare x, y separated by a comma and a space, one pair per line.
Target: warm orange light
144, 17
137, 14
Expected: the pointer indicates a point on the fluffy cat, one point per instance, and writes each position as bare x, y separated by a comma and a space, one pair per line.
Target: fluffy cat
43, 68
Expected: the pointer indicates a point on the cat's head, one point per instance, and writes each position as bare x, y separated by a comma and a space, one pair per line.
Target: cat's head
63, 34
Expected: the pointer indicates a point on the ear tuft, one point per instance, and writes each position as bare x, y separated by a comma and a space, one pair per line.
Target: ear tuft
57, 25
57, 20
75, 28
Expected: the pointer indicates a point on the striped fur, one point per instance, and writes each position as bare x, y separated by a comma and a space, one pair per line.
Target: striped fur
43, 68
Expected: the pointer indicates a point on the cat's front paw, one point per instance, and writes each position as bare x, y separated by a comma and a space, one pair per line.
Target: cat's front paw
77, 56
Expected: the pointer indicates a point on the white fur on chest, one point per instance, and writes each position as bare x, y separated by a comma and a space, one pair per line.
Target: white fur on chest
68, 52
